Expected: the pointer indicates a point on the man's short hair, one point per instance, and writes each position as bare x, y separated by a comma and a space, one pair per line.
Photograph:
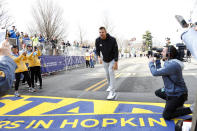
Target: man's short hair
102, 28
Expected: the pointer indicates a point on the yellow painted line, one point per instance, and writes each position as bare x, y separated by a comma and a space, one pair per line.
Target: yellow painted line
118, 75
100, 86
93, 86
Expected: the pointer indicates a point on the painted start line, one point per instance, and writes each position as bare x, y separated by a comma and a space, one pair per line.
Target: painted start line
54, 113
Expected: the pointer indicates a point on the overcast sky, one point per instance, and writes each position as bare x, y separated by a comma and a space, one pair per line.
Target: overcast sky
131, 18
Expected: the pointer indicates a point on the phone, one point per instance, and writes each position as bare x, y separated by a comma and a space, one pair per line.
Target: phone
182, 21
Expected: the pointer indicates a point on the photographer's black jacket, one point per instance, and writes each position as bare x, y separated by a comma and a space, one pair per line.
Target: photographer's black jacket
108, 47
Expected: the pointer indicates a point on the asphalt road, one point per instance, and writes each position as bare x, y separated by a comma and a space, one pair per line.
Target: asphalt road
133, 82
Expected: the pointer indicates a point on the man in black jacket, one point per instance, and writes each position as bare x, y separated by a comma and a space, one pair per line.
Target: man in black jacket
107, 45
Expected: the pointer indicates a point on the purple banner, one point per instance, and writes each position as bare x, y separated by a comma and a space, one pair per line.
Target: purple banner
52, 63
56, 63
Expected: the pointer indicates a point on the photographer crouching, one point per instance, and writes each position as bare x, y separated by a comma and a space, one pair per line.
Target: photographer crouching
174, 91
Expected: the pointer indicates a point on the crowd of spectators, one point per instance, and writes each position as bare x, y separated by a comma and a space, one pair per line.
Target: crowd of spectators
57, 46
26, 52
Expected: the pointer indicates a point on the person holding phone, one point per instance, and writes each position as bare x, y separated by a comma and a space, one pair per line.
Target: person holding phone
34, 63
38, 75
21, 68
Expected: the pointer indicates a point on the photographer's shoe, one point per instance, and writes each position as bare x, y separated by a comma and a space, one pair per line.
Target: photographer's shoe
109, 89
192, 107
112, 96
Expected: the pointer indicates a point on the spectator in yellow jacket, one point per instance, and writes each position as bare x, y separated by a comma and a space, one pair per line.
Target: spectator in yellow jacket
34, 63
21, 51
87, 58
21, 69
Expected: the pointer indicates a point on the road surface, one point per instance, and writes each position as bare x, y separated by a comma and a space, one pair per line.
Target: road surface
134, 82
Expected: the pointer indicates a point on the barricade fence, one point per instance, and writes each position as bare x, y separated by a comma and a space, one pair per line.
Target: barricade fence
50, 64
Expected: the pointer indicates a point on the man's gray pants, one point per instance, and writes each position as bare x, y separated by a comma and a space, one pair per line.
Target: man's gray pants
110, 74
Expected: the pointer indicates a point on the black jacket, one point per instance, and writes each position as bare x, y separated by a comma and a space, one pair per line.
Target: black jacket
108, 47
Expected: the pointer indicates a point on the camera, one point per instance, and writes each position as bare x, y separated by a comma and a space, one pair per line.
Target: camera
155, 52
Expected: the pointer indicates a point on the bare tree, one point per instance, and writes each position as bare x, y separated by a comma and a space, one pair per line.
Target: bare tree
119, 42
81, 35
48, 20
108, 24
5, 19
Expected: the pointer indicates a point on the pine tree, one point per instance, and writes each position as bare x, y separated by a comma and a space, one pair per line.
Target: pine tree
147, 37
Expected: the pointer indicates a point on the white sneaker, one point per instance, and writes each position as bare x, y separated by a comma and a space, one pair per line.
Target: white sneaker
112, 95
27, 87
37, 84
17, 94
109, 89
192, 107
24, 83
32, 89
